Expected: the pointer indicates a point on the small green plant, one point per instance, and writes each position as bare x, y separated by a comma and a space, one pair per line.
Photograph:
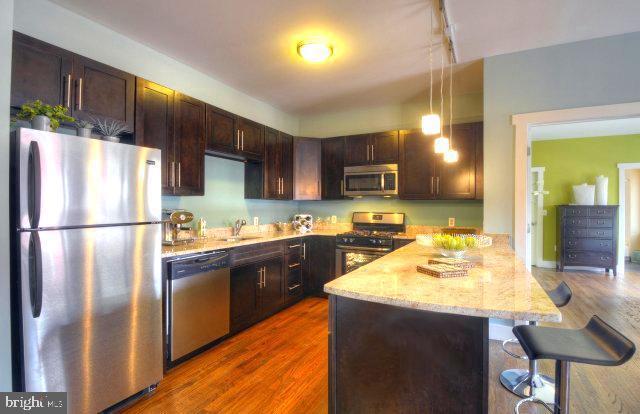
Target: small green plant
56, 114
458, 243
81, 123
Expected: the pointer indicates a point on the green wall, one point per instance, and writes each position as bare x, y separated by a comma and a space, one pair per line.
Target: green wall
574, 161
434, 213
224, 201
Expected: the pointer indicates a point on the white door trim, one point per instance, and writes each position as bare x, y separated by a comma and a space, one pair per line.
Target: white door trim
622, 199
523, 124
539, 228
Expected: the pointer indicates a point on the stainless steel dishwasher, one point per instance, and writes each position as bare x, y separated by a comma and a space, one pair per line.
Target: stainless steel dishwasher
198, 302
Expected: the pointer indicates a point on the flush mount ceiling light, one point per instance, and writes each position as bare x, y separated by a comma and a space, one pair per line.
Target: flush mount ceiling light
315, 50
430, 122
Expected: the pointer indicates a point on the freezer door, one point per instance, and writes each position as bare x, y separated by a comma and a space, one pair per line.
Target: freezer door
92, 312
66, 181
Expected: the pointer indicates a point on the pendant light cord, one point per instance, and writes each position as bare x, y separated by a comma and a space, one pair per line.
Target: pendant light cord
442, 85
430, 61
451, 103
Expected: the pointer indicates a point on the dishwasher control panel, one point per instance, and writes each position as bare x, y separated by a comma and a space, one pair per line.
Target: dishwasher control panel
202, 263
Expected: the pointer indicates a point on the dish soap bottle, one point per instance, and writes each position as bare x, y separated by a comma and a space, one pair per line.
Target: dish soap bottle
201, 227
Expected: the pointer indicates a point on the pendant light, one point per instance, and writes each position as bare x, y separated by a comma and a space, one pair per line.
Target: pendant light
451, 155
431, 122
441, 144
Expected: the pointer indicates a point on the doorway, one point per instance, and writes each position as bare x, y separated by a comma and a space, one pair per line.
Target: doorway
538, 213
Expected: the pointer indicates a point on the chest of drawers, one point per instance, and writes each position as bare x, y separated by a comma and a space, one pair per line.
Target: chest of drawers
587, 236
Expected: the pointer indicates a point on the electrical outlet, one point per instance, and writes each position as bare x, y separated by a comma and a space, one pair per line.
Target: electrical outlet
334, 219
452, 221
256, 221
555, 248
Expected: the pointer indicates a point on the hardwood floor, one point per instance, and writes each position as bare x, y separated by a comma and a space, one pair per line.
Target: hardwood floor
280, 364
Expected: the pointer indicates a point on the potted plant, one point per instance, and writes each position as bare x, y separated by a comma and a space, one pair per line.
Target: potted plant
84, 128
43, 116
110, 129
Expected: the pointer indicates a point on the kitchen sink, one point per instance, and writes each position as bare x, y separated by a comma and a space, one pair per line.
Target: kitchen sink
238, 238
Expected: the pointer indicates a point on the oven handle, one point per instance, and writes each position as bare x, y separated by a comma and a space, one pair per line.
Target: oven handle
349, 249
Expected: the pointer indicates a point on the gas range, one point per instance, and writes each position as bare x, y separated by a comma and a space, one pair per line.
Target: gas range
372, 230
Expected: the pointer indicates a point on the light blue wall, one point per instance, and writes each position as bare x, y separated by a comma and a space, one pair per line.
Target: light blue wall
6, 25
434, 213
593, 72
224, 201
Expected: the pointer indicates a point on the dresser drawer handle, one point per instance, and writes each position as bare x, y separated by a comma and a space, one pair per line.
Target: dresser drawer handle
572, 243
572, 256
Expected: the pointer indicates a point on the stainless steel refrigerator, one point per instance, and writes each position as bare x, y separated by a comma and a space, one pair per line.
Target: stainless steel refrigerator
87, 268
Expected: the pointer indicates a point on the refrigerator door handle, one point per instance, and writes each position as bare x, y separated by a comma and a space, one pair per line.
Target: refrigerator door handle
34, 184
35, 274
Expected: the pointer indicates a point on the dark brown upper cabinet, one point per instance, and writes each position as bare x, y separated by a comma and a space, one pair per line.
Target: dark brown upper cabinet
424, 175
56, 76
376, 148
457, 180
278, 165
40, 71
102, 91
306, 170
416, 167
332, 168
222, 131
189, 129
173, 123
356, 150
231, 136
251, 138
154, 125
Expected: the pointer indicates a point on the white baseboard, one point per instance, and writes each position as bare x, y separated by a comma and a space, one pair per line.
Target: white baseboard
546, 264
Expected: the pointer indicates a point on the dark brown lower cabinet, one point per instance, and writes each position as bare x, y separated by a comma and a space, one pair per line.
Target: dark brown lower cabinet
257, 291
321, 253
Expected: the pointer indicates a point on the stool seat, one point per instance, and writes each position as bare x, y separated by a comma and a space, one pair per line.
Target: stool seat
561, 295
596, 344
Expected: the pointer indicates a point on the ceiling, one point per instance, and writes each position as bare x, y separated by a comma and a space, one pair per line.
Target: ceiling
604, 128
495, 27
380, 45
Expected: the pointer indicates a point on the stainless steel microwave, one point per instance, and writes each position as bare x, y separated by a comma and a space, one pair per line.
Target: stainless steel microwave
371, 180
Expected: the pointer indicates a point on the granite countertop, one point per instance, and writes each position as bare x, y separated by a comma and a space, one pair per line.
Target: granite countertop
498, 287
200, 246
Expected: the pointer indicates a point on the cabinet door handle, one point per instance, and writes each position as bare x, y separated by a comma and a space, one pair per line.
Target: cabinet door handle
79, 103
368, 152
292, 265
432, 185
342, 187
237, 139
68, 91
294, 287
173, 174
293, 246
179, 176
264, 276
242, 140
304, 251
372, 157
438, 185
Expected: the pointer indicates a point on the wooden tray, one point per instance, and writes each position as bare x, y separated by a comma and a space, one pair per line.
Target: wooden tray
452, 261
442, 270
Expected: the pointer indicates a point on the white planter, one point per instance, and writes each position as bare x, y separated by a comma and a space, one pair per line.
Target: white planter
84, 132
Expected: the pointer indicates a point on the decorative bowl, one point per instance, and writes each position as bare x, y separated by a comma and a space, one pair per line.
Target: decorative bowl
461, 243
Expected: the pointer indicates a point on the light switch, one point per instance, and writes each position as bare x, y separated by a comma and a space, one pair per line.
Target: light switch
452, 221
256, 221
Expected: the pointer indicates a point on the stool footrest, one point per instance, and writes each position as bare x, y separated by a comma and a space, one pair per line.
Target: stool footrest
512, 354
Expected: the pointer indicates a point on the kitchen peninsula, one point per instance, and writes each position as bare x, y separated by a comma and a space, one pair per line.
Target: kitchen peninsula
402, 341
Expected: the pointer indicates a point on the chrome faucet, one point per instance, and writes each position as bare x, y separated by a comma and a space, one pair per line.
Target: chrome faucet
238, 226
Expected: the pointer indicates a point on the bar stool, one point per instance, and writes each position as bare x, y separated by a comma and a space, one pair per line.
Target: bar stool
521, 382
596, 344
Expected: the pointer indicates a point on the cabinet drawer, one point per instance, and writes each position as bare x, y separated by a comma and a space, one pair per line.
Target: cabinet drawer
602, 233
255, 253
601, 223
293, 286
576, 212
292, 261
594, 245
601, 212
293, 246
575, 232
589, 259
576, 222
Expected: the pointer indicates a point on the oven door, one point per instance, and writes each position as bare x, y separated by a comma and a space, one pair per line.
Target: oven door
349, 259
